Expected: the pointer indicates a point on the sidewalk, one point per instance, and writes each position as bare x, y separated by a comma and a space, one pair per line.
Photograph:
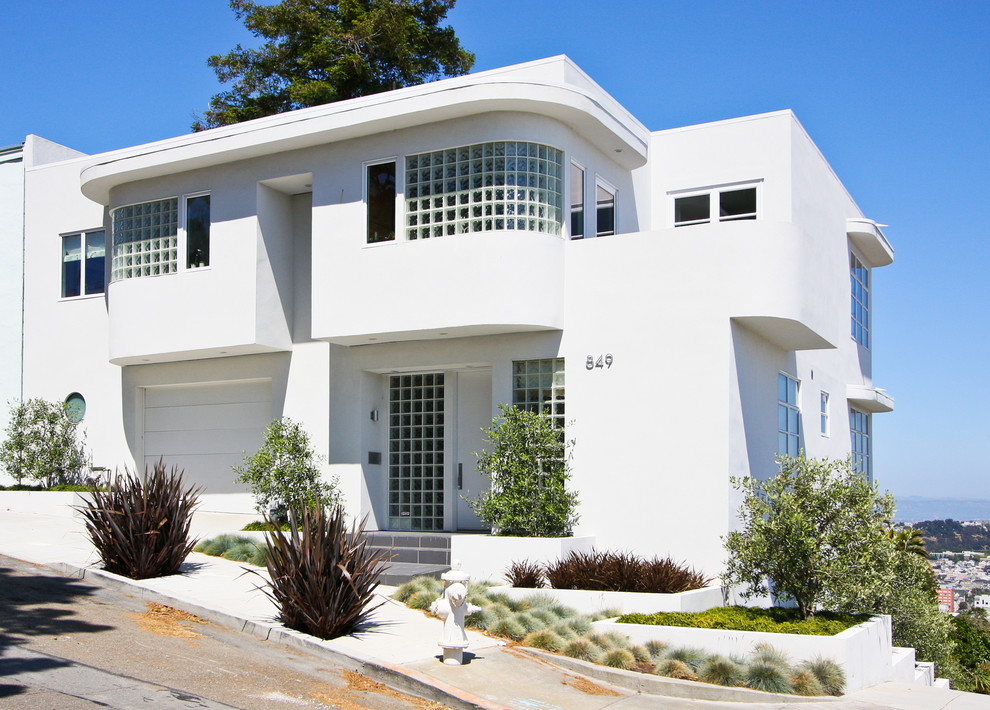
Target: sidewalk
399, 647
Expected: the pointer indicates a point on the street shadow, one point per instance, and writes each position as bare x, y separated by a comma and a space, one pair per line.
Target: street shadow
34, 602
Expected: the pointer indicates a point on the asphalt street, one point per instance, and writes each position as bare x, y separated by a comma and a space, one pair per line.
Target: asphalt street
66, 644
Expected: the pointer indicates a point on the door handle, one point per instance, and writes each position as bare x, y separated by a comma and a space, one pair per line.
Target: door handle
460, 476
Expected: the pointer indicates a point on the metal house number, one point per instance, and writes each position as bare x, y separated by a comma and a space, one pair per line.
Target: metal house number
603, 362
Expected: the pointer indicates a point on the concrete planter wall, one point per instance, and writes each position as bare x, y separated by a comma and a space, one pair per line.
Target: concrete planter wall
864, 650
59, 503
486, 557
589, 602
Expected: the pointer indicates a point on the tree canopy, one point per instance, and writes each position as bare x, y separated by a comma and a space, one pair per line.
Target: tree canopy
316, 52
42, 444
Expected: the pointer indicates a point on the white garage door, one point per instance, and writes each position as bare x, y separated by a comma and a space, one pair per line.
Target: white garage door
205, 429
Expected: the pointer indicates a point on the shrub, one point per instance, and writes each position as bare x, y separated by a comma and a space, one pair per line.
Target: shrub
829, 674
774, 620
621, 572
322, 577
768, 677
140, 526
259, 526
42, 444
525, 574
719, 670
529, 470
285, 472
618, 658
545, 639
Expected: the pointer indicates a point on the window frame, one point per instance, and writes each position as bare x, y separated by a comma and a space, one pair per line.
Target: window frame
862, 337
577, 208
789, 407
183, 231
602, 183
825, 422
399, 201
82, 235
714, 193
862, 461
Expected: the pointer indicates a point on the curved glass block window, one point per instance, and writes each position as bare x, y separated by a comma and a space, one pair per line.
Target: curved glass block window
145, 241
484, 187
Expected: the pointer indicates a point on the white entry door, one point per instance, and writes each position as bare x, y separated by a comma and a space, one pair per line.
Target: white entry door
474, 412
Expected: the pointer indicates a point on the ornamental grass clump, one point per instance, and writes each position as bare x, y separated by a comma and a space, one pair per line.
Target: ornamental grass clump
140, 525
583, 650
829, 673
768, 677
234, 547
546, 640
323, 577
618, 658
525, 574
621, 572
675, 668
718, 670
805, 683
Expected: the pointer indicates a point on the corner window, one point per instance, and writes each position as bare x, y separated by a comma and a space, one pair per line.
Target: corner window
733, 204
484, 187
145, 239
83, 263
788, 416
197, 231
577, 201
380, 185
859, 280
824, 413
859, 432
538, 386
604, 210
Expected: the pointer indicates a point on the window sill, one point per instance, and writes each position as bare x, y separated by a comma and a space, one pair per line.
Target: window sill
86, 297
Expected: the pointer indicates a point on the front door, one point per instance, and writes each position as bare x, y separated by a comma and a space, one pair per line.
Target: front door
474, 412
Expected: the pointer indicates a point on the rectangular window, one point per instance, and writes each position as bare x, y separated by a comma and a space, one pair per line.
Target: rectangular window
788, 416
859, 431
197, 231
577, 201
83, 263
145, 239
485, 187
734, 204
605, 211
859, 279
824, 414
381, 202
538, 386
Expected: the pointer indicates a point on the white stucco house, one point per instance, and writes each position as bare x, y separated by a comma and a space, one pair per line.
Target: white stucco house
387, 270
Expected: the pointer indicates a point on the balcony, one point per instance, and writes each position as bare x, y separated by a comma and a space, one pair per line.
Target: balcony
865, 234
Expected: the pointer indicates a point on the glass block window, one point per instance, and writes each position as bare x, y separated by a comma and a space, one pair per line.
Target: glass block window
859, 431
788, 416
145, 241
484, 187
538, 386
416, 452
859, 279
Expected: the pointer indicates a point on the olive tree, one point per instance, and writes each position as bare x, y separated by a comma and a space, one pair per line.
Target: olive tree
814, 533
43, 444
285, 472
529, 470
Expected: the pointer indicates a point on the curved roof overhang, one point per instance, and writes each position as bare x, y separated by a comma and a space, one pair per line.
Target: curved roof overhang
540, 88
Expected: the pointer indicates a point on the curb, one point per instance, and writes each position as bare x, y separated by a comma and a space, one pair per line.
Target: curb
405, 680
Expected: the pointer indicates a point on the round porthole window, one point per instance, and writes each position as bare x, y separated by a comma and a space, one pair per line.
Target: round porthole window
75, 407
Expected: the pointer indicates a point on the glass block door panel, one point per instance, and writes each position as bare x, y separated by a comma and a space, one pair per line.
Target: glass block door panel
416, 455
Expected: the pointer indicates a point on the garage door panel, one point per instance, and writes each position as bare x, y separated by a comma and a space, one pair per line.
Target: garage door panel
211, 472
226, 393
227, 441
251, 415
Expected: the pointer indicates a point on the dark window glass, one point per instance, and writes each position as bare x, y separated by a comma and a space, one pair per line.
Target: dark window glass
95, 262
71, 265
737, 204
577, 202
691, 210
381, 202
605, 213
197, 231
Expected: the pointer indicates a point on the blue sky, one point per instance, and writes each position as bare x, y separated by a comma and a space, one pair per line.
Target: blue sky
896, 95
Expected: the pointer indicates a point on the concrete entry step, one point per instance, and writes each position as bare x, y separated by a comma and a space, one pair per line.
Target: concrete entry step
398, 573
412, 554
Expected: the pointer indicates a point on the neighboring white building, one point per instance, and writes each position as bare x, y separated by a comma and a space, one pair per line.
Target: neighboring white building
387, 270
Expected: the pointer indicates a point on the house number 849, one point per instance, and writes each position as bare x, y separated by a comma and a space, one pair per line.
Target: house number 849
603, 361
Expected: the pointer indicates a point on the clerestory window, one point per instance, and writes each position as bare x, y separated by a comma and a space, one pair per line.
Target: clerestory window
499, 185
721, 204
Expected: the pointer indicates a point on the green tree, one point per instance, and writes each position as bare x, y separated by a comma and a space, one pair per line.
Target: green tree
814, 533
908, 540
42, 444
285, 472
316, 52
529, 470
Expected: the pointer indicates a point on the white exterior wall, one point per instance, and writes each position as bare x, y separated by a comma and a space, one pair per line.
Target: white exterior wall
698, 320
11, 281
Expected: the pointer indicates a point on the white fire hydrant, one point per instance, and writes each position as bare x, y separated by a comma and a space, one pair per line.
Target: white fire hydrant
452, 607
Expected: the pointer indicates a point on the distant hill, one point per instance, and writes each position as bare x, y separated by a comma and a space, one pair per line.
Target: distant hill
914, 508
952, 536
